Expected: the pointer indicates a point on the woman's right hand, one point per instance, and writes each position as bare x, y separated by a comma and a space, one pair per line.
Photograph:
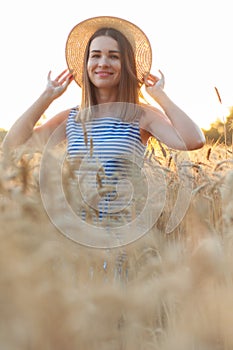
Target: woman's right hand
55, 88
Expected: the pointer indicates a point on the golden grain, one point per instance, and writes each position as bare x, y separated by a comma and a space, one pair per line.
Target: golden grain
171, 291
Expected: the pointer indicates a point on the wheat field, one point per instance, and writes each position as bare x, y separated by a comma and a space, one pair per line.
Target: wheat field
176, 287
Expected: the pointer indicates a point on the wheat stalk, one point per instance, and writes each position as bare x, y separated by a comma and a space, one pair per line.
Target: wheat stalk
224, 120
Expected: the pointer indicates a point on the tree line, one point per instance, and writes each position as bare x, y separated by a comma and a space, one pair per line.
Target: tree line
221, 131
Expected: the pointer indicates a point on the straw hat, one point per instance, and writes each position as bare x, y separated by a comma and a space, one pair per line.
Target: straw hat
81, 33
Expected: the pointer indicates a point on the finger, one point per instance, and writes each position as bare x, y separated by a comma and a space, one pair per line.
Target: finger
160, 83
60, 75
65, 78
49, 75
150, 79
145, 77
69, 79
162, 75
64, 83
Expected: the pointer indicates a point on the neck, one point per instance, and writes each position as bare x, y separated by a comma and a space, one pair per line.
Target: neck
106, 96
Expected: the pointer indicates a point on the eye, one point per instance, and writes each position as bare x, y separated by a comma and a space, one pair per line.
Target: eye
114, 57
95, 55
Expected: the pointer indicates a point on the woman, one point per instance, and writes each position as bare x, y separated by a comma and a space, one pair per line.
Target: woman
110, 67
110, 59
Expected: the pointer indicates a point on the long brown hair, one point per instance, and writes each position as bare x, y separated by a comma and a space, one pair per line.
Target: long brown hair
129, 86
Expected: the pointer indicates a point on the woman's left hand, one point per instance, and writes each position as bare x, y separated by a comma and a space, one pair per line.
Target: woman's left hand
154, 83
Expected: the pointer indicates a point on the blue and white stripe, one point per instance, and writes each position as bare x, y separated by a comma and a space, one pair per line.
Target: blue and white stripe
107, 146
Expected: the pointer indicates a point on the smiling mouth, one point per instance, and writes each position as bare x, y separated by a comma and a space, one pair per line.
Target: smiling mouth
104, 74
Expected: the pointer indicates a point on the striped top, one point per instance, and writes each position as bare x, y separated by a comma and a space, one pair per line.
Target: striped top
110, 150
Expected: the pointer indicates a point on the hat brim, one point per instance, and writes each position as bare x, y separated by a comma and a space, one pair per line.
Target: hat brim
80, 34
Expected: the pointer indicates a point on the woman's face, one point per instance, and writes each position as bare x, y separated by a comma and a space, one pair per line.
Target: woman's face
104, 62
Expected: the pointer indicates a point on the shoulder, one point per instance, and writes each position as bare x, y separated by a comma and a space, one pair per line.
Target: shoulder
151, 113
58, 119
149, 107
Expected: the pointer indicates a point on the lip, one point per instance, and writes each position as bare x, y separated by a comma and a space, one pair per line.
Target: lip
103, 74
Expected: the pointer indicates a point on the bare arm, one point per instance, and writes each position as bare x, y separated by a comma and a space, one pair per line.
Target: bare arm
24, 131
176, 129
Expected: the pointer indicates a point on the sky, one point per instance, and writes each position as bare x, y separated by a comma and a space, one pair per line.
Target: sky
191, 42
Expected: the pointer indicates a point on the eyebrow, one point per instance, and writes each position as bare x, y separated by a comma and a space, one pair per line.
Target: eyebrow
118, 51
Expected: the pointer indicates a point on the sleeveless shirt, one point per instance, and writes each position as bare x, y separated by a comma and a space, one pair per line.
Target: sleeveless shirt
110, 153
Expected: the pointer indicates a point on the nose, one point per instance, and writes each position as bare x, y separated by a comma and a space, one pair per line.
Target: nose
103, 61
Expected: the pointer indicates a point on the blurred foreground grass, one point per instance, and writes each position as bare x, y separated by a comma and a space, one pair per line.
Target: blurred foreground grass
55, 293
